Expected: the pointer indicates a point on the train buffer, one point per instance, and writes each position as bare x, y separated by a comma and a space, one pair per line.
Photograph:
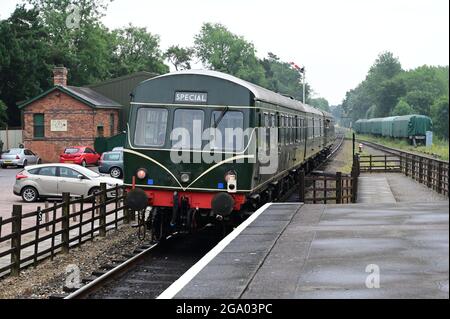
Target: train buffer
293, 250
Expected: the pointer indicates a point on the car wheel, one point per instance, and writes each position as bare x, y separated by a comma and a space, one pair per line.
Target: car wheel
94, 190
25, 163
29, 194
3, 166
115, 172
39, 161
83, 163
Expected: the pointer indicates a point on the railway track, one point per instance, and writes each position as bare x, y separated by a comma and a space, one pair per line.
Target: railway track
152, 268
394, 151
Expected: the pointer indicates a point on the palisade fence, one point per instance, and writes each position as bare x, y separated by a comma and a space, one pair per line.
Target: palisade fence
328, 188
26, 239
431, 172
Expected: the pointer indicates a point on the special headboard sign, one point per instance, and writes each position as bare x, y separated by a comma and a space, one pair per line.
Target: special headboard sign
191, 97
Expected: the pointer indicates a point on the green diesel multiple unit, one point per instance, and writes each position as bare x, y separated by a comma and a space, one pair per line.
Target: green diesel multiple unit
216, 176
411, 127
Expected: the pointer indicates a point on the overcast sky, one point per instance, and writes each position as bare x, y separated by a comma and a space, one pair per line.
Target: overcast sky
336, 40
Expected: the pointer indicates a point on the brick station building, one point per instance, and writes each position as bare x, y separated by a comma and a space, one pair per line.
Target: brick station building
66, 115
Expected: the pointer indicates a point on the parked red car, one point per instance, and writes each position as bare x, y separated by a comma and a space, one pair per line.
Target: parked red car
81, 155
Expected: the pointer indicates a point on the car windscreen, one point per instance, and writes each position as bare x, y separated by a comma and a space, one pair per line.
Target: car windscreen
111, 156
71, 150
87, 172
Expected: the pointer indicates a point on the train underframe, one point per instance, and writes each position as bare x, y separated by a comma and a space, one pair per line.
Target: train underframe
191, 211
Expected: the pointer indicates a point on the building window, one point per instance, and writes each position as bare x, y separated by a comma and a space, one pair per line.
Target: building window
100, 131
111, 124
38, 124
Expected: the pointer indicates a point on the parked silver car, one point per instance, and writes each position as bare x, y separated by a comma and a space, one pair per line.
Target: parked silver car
51, 180
19, 157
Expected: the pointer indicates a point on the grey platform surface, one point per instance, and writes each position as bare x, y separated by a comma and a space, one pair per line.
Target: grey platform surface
330, 251
374, 189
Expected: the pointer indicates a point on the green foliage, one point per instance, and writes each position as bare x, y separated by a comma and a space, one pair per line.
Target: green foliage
3, 114
402, 108
320, 103
440, 116
420, 101
179, 57
219, 49
282, 78
378, 93
24, 71
135, 50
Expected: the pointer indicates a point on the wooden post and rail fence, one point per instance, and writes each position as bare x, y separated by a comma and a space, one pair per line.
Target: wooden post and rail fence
428, 171
327, 188
56, 229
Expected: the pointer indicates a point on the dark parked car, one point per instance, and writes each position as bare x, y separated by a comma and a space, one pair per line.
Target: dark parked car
111, 163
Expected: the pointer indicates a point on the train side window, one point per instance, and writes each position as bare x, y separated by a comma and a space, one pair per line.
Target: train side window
231, 121
289, 137
279, 129
291, 120
267, 129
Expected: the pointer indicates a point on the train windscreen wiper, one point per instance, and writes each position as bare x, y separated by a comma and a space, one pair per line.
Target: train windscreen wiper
222, 114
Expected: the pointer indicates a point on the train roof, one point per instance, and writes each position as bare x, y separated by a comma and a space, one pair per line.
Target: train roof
260, 93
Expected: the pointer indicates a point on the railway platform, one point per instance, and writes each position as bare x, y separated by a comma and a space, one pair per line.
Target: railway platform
292, 250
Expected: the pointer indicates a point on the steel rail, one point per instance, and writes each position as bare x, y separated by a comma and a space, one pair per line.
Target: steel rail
99, 282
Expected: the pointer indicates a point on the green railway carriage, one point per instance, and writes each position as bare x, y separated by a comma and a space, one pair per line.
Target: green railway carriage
387, 126
412, 127
183, 158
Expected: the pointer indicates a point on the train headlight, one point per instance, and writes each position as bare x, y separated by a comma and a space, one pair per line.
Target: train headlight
231, 180
141, 173
185, 177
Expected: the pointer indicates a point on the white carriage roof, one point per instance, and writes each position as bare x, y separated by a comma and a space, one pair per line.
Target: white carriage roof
259, 92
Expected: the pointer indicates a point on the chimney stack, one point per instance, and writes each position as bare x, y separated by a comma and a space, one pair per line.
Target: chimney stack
60, 76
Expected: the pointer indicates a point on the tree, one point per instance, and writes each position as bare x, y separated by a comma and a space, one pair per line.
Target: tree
420, 101
379, 92
179, 57
3, 114
219, 49
77, 38
440, 116
24, 69
282, 78
136, 49
387, 96
320, 103
402, 108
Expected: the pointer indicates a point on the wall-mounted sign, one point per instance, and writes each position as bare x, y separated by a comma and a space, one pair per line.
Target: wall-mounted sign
191, 97
58, 125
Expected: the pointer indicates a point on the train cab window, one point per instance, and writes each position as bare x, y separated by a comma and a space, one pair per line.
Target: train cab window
151, 127
230, 139
184, 123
